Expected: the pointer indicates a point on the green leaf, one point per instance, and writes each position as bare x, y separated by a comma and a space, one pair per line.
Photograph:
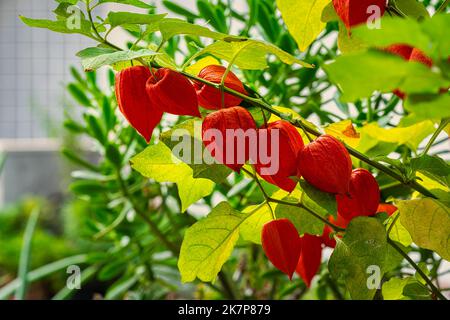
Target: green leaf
43, 272
393, 289
329, 14
188, 136
359, 75
428, 106
428, 222
318, 201
303, 221
121, 18
398, 232
303, 19
249, 54
65, 10
112, 270
258, 114
119, 288
212, 14
412, 136
95, 57
393, 31
25, 254
416, 291
412, 8
68, 1
61, 26
172, 27
363, 245
78, 94
208, 243
432, 166
437, 29
136, 3
175, 8
157, 162
87, 187
349, 42
429, 36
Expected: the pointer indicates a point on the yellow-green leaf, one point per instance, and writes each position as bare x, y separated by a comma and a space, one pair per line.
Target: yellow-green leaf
249, 54
345, 131
428, 222
158, 163
303, 19
208, 243
348, 42
259, 215
398, 232
411, 136
200, 64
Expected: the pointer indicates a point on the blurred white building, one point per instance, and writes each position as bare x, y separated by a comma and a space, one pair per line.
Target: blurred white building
34, 69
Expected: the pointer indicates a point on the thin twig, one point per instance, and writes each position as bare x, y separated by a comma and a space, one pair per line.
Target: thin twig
435, 290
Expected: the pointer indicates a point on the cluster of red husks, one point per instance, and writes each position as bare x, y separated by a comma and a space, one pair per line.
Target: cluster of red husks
143, 96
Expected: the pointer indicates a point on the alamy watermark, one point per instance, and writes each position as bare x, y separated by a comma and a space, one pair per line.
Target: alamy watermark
73, 281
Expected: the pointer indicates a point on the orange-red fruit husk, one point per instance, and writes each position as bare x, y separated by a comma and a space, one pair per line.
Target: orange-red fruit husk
211, 98
410, 54
310, 258
171, 92
354, 12
289, 144
325, 163
363, 197
231, 118
401, 50
387, 208
418, 56
340, 222
282, 245
134, 102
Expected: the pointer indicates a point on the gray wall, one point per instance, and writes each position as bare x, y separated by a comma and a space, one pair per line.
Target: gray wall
33, 70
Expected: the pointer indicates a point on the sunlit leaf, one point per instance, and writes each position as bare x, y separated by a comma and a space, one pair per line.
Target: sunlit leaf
158, 163
345, 131
208, 243
428, 222
249, 54
303, 19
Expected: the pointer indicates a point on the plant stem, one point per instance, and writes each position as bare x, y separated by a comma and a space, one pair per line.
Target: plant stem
89, 12
435, 290
436, 134
300, 205
153, 227
266, 196
443, 6
226, 285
